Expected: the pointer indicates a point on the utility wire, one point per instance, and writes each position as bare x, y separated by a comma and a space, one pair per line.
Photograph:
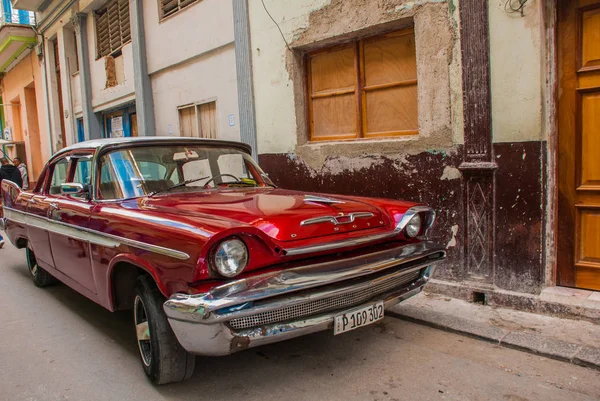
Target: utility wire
276, 24
518, 8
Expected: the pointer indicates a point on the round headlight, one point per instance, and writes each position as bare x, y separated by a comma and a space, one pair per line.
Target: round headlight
231, 257
413, 228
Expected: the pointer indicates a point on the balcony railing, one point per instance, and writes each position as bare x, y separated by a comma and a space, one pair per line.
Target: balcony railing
20, 17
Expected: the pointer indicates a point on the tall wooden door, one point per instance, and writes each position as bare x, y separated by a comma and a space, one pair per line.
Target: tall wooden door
579, 143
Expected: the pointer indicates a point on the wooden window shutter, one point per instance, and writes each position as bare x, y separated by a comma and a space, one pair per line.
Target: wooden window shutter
389, 76
170, 7
332, 91
112, 27
365, 89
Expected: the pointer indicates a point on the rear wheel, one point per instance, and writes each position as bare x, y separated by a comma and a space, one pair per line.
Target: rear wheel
40, 277
163, 358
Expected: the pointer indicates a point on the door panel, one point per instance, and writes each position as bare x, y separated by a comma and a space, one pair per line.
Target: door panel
579, 143
72, 256
38, 236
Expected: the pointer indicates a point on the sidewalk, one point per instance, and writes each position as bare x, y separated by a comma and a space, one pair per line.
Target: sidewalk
575, 341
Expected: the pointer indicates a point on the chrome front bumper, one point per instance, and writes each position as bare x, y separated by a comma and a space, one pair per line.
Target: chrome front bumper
220, 322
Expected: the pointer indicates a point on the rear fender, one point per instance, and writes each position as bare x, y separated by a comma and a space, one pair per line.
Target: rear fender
10, 193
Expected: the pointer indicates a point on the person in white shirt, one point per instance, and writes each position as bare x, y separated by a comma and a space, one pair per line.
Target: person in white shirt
23, 170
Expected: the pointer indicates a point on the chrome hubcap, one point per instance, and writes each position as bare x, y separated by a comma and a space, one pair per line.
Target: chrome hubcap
142, 330
31, 262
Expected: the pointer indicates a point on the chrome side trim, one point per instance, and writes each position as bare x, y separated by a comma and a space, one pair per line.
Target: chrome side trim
198, 307
366, 239
86, 234
336, 219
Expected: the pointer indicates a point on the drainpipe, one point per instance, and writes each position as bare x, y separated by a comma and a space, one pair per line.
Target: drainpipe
243, 65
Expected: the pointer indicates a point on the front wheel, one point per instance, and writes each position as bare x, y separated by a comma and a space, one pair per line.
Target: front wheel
163, 358
40, 277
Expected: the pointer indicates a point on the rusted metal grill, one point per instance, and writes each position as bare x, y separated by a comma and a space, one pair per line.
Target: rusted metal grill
309, 308
169, 7
112, 27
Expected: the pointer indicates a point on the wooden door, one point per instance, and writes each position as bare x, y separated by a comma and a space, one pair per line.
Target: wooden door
579, 143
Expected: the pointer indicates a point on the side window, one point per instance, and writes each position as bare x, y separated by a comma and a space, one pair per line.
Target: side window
109, 187
59, 176
83, 170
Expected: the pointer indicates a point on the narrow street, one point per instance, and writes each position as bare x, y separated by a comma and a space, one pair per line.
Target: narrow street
57, 345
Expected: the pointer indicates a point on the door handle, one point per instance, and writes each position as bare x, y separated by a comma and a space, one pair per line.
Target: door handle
32, 201
54, 205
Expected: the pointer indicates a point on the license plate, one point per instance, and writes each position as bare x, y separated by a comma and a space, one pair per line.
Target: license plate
357, 318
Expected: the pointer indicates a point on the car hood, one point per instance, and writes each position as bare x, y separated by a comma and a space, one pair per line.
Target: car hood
282, 214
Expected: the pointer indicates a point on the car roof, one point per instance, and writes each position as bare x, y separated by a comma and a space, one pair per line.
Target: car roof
152, 140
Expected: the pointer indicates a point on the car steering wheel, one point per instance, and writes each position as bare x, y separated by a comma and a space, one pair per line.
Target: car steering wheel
217, 176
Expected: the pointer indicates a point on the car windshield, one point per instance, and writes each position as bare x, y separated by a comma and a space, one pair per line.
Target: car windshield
149, 170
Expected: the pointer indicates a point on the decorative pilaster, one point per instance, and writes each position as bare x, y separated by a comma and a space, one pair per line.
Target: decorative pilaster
144, 103
91, 125
478, 166
243, 64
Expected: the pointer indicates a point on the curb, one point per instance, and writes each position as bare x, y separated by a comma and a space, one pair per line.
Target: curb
521, 340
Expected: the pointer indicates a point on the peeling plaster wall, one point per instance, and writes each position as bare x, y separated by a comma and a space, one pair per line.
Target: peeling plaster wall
422, 168
517, 82
311, 24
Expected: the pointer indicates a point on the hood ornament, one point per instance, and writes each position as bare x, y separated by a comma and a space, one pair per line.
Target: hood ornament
320, 199
337, 220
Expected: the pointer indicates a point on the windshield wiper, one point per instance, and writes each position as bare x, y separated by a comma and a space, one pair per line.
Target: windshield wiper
181, 184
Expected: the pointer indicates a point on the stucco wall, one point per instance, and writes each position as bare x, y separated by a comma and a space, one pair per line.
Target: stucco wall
200, 66
516, 73
212, 77
28, 74
311, 24
195, 30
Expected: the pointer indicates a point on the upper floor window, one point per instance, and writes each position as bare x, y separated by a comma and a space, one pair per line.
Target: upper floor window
112, 27
170, 7
365, 89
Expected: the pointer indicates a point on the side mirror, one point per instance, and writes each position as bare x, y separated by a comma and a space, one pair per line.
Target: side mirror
73, 188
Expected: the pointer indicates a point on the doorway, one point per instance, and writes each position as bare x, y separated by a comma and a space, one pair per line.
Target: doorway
579, 144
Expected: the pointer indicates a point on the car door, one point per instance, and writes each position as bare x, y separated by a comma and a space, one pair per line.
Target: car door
39, 208
71, 215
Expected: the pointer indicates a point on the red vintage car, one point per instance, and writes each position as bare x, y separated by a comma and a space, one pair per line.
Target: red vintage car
209, 254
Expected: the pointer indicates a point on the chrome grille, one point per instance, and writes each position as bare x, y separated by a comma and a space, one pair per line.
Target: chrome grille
322, 305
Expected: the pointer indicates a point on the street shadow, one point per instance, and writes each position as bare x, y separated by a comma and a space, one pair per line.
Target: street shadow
117, 326
270, 368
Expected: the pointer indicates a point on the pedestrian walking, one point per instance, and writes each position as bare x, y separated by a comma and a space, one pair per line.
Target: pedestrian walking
23, 170
10, 172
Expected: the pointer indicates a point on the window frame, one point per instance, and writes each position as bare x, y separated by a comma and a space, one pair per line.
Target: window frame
178, 9
360, 89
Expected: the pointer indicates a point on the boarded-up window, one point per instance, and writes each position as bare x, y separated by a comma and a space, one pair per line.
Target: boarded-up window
112, 27
365, 89
199, 120
170, 7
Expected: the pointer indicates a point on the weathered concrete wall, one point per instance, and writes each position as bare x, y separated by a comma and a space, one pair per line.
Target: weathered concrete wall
516, 71
20, 83
423, 168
